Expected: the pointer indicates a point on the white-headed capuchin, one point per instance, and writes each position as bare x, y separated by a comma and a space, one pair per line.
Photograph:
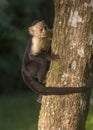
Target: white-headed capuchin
37, 59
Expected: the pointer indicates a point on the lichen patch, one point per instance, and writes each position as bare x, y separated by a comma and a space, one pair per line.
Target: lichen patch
81, 52
75, 18
74, 65
89, 4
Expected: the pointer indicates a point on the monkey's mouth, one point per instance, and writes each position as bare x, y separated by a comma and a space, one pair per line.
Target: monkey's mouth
44, 36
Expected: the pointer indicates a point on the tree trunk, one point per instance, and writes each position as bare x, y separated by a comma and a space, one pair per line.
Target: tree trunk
72, 41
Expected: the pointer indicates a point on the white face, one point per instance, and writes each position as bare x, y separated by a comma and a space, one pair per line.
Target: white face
39, 30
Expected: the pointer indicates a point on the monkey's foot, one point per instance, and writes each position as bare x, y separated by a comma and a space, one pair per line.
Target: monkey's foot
39, 99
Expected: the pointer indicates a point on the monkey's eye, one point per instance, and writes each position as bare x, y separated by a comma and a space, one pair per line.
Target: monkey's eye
41, 29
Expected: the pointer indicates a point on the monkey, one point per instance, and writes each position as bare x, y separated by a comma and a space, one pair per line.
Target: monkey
36, 62
38, 55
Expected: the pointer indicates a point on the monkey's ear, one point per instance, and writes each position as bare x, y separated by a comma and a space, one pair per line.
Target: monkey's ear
31, 31
43, 21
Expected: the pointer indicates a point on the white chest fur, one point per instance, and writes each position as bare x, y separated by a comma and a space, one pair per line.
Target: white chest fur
39, 44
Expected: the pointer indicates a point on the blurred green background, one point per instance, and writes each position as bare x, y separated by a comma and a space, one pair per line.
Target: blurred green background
15, 18
18, 107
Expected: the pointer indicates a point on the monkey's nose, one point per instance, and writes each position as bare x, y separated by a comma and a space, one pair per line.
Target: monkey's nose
44, 32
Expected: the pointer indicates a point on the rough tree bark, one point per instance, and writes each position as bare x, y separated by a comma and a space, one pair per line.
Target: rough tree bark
72, 40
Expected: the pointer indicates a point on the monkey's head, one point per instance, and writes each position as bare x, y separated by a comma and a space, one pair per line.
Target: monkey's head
39, 29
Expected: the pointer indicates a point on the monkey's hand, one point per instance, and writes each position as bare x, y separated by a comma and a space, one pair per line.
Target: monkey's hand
53, 56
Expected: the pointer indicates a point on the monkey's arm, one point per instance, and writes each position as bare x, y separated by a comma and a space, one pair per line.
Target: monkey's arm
38, 59
43, 58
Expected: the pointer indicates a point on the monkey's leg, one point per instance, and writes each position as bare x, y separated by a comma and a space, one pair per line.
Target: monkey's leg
39, 99
33, 69
41, 77
42, 72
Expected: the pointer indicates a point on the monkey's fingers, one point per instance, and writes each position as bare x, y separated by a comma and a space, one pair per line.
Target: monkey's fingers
54, 56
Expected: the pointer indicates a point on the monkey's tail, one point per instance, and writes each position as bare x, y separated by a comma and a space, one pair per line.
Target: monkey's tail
39, 88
